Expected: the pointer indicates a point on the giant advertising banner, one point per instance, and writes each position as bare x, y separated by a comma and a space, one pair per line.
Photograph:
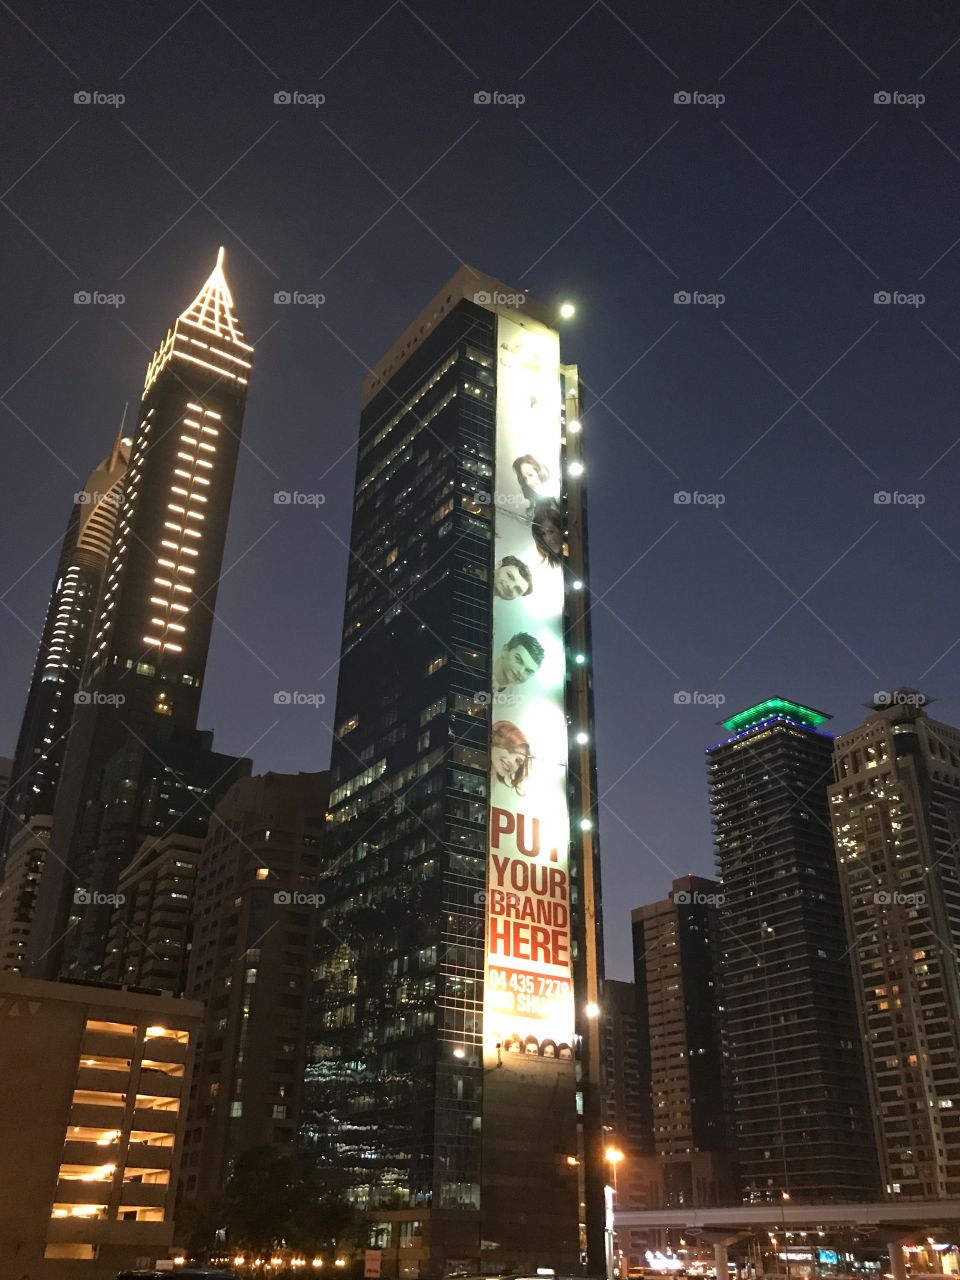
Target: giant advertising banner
528, 1004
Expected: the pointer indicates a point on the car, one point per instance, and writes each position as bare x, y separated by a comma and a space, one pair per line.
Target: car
181, 1273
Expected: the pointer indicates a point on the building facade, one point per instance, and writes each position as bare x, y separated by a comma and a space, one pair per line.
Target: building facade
149, 940
895, 807
92, 1085
682, 1116
798, 1090
255, 914
64, 643
26, 857
623, 1106
144, 673
444, 1108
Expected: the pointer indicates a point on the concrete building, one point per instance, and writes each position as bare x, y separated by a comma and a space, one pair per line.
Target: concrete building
149, 941
256, 910
683, 1104
895, 808
798, 1088
92, 1084
26, 856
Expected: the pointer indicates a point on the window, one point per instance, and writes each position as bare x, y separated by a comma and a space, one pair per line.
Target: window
279, 1111
236, 1109
262, 873
435, 664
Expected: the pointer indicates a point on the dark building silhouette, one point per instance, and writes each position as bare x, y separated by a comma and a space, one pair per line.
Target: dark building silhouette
624, 1104
449, 1138
256, 910
798, 1092
144, 672
895, 807
683, 1112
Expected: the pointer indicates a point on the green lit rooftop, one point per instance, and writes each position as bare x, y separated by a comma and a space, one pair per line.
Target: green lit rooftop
771, 708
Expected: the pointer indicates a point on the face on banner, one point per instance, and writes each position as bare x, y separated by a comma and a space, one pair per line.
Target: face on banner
528, 992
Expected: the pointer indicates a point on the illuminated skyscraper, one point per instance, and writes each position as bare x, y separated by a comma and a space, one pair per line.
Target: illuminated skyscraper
63, 645
453, 1075
144, 675
896, 818
797, 1086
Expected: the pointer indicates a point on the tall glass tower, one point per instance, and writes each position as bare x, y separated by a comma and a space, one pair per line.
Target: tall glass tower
64, 642
452, 1081
797, 1083
144, 673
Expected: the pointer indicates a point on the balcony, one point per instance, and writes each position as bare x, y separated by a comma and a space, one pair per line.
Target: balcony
97, 1116
153, 1119
144, 1195
159, 1084
102, 1079
82, 1230
106, 1044
76, 1191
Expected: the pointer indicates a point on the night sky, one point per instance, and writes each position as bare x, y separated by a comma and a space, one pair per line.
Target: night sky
797, 399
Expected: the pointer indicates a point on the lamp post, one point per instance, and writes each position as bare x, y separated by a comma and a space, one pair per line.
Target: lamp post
612, 1156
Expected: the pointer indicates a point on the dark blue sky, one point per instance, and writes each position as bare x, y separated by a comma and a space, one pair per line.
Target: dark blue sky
798, 198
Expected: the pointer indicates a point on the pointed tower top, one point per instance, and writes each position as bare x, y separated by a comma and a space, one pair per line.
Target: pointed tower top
212, 308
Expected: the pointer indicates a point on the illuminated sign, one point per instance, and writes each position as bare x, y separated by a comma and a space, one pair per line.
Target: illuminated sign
528, 987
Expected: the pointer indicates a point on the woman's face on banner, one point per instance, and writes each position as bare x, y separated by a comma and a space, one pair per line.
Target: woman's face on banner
506, 762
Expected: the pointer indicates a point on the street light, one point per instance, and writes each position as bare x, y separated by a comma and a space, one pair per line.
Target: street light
567, 310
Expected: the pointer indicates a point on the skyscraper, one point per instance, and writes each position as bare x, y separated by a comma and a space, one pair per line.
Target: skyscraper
255, 916
802, 1127
896, 817
464, 1113
145, 668
624, 1104
683, 1112
64, 642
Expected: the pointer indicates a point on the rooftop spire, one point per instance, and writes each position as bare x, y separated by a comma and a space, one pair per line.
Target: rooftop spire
212, 308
